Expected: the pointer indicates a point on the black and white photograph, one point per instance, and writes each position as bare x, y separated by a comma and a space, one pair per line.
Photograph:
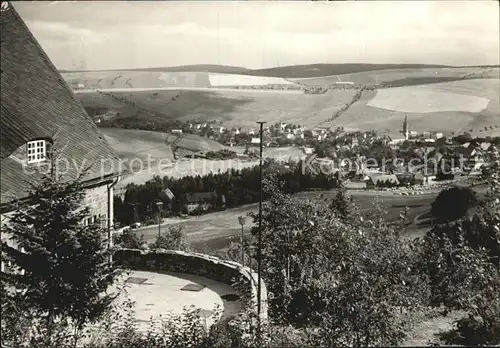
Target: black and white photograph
248, 174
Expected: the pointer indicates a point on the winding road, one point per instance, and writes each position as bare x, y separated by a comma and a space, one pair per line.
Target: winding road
215, 230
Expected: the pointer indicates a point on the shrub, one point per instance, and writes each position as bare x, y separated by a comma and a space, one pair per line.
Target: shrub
452, 204
174, 239
129, 240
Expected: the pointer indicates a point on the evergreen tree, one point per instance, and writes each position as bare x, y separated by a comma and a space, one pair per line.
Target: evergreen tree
342, 206
65, 264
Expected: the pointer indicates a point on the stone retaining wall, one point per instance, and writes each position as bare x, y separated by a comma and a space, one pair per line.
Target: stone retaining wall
243, 279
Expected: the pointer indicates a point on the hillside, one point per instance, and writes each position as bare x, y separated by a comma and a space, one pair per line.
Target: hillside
144, 151
233, 107
129, 79
315, 70
466, 105
385, 76
401, 77
445, 107
292, 71
223, 69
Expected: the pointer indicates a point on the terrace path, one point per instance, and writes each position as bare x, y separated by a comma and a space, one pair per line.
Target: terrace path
159, 294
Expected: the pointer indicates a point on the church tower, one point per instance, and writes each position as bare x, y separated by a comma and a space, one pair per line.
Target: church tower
406, 128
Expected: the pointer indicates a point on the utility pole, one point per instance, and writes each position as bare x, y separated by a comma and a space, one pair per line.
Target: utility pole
241, 220
160, 206
134, 212
259, 245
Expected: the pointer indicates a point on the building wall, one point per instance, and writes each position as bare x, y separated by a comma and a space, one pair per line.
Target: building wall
96, 199
190, 207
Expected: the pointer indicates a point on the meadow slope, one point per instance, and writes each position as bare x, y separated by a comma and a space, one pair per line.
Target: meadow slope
164, 79
201, 76
232, 107
466, 105
401, 77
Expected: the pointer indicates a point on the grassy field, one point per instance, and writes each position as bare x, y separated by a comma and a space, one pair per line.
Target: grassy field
291, 71
426, 109
416, 99
232, 107
219, 80
162, 79
215, 231
314, 70
401, 76
136, 79
146, 154
312, 75
132, 144
447, 107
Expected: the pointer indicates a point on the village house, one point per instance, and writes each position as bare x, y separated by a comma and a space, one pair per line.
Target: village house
485, 146
396, 141
203, 201
41, 118
167, 197
377, 180
424, 175
176, 131
469, 153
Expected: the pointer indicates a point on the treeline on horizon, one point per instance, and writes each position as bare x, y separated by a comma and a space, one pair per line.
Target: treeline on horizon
239, 187
290, 71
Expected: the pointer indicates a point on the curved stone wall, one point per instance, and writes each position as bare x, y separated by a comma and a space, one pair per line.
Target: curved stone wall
242, 279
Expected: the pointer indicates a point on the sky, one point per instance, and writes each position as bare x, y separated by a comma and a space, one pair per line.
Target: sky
141, 34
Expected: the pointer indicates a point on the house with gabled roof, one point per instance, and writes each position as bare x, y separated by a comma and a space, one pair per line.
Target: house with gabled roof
202, 201
41, 119
380, 179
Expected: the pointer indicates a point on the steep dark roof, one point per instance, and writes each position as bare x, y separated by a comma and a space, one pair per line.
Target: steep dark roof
464, 151
167, 195
37, 103
200, 197
376, 178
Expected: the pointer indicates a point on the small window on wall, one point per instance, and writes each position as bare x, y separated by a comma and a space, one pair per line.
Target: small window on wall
87, 221
37, 151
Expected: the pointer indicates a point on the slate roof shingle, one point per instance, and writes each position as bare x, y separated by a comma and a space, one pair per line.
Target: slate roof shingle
37, 103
